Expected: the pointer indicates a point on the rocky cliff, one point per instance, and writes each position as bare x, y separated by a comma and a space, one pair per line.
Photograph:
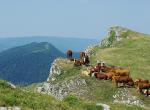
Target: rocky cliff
60, 89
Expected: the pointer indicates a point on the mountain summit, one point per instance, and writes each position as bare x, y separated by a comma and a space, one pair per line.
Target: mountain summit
118, 33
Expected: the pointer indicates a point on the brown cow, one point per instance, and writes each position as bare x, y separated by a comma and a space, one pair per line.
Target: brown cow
77, 62
140, 80
104, 68
120, 71
82, 55
141, 86
100, 76
130, 82
121, 74
69, 54
95, 69
109, 75
120, 79
86, 60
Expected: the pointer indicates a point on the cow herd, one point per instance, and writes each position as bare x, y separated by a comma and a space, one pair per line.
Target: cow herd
120, 76
84, 58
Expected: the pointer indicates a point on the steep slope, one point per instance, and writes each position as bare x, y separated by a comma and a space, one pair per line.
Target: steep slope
28, 100
29, 63
127, 49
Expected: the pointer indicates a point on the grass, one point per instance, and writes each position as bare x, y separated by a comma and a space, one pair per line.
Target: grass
68, 70
28, 100
133, 53
75, 102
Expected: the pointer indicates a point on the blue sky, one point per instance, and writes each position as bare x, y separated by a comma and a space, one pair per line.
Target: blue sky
71, 18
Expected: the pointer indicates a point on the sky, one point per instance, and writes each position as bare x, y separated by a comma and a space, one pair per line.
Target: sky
71, 18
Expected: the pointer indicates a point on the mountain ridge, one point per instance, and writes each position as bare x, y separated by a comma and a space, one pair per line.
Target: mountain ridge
117, 53
34, 59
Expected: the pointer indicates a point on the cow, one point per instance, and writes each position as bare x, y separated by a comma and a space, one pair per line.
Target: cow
121, 72
100, 76
78, 62
120, 79
86, 60
93, 70
140, 80
82, 55
141, 86
109, 75
69, 54
130, 82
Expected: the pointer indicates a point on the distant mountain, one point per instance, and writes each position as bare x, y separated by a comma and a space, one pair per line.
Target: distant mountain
76, 44
29, 63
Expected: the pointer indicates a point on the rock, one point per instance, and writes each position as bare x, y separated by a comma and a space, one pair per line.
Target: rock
62, 89
89, 50
55, 69
10, 108
11, 85
117, 36
105, 106
124, 96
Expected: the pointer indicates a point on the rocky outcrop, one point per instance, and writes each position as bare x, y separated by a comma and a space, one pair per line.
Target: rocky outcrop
10, 108
62, 89
55, 69
124, 96
115, 34
89, 50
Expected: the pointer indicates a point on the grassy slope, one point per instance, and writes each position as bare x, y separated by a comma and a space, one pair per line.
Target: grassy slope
129, 53
98, 91
29, 100
133, 54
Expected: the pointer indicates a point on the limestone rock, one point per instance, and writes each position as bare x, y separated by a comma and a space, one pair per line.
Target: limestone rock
54, 70
62, 89
10, 108
124, 96
117, 31
89, 50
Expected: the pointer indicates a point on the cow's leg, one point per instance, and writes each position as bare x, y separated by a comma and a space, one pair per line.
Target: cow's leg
147, 92
123, 84
116, 84
140, 90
